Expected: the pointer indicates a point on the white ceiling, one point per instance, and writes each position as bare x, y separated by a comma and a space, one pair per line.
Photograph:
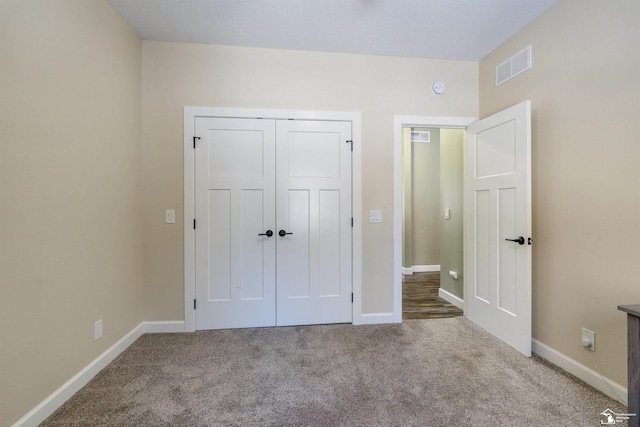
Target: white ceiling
440, 29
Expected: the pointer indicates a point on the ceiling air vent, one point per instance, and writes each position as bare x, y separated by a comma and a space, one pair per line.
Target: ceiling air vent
420, 136
517, 64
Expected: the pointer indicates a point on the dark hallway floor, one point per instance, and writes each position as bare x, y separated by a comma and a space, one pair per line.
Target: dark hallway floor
420, 298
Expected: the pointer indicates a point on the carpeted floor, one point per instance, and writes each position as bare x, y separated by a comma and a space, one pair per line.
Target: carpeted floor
441, 372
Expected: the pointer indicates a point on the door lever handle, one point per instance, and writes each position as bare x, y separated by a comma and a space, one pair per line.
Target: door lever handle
283, 233
519, 240
269, 233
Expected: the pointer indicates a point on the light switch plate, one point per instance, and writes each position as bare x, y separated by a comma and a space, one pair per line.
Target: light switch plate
97, 330
375, 216
170, 216
447, 214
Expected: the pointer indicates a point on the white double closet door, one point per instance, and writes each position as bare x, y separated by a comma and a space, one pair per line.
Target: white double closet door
255, 180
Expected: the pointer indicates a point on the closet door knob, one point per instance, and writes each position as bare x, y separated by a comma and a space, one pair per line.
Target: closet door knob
283, 233
269, 233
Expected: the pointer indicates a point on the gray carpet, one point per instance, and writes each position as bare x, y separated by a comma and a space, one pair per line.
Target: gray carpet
442, 372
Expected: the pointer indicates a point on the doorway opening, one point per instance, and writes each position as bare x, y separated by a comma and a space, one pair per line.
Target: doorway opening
432, 249
402, 126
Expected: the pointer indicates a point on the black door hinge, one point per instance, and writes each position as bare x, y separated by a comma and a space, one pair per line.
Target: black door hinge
194, 304
350, 141
194, 224
352, 221
352, 297
194, 141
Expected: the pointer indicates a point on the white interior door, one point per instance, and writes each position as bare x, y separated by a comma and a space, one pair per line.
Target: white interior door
235, 205
314, 209
498, 211
244, 169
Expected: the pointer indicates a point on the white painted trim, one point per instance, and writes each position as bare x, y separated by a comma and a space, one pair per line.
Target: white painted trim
407, 271
425, 268
189, 215
451, 298
68, 389
173, 326
376, 319
586, 374
190, 114
356, 207
398, 123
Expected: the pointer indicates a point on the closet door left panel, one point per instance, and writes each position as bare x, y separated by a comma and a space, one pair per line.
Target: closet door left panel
235, 210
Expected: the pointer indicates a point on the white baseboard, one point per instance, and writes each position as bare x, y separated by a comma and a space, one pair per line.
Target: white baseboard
451, 298
68, 389
425, 268
375, 319
586, 374
419, 269
163, 327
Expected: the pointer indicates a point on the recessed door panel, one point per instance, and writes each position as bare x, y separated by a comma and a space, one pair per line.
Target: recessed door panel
219, 246
253, 256
314, 154
507, 250
329, 249
293, 272
495, 152
237, 152
483, 246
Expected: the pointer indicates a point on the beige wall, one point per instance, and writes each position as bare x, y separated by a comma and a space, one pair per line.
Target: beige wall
451, 188
70, 192
176, 75
585, 96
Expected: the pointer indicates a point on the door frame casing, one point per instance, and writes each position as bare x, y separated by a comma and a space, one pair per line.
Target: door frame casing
190, 116
400, 122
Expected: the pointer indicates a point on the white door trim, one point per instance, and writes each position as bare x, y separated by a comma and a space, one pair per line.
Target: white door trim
190, 114
398, 123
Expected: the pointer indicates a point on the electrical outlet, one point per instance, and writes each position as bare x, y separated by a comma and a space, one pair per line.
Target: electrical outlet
588, 339
97, 330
